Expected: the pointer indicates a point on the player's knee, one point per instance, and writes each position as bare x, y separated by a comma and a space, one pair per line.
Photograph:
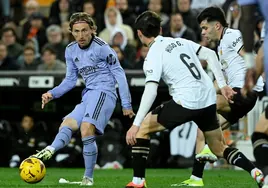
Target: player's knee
69, 122
87, 129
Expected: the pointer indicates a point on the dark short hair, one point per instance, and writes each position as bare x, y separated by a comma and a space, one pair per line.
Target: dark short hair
212, 14
82, 17
148, 23
49, 48
29, 47
7, 29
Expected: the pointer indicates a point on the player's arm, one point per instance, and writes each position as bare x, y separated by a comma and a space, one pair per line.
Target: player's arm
109, 55
153, 70
210, 56
214, 64
247, 29
70, 79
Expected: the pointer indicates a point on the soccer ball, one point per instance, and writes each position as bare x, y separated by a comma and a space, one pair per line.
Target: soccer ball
32, 170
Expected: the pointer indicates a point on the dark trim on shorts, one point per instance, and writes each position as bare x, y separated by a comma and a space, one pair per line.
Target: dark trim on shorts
99, 105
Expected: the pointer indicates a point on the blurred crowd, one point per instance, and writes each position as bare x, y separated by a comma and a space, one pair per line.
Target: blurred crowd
32, 38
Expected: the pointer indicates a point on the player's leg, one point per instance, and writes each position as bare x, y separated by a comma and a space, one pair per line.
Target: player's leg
70, 123
203, 154
215, 140
99, 109
260, 143
167, 115
222, 105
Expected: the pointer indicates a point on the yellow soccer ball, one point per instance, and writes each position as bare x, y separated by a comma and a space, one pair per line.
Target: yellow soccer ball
32, 170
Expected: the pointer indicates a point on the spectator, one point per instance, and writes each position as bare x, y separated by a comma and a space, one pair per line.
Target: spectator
37, 29
156, 6
10, 40
120, 54
29, 61
119, 38
28, 138
50, 61
60, 12
66, 34
54, 36
5, 142
189, 17
126, 12
143, 53
233, 15
179, 29
6, 62
200, 5
89, 7
32, 6
113, 19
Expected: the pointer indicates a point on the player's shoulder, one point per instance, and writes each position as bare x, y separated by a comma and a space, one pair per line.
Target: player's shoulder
231, 34
72, 44
98, 41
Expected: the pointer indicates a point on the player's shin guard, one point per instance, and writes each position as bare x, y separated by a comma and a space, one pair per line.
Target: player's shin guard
140, 152
198, 168
90, 152
260, 145
62, 138
235, 157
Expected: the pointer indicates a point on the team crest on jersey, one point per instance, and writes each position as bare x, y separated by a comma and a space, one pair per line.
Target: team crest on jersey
111, 59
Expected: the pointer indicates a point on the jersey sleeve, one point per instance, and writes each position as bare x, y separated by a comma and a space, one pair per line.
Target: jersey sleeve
108, 55
234, 40
153, 67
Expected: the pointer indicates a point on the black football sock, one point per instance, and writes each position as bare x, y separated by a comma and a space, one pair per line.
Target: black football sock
140, 152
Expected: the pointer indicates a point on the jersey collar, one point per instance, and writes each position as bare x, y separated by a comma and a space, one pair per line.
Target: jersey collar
90, 42
222, 33
155, 40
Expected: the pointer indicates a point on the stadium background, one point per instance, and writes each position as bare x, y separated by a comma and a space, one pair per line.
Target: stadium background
33, 38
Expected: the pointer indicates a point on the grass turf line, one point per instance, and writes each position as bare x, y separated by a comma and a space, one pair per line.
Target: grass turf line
156, 178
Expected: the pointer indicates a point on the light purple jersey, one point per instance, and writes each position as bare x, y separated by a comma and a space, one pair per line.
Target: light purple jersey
99, 67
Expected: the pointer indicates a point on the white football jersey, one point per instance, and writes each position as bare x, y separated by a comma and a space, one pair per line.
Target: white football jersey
176, 62
233, 64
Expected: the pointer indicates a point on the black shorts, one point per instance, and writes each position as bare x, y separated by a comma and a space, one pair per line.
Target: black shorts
241, 106
170, 115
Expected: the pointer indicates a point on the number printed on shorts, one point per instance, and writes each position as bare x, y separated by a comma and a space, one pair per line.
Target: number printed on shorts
191, 66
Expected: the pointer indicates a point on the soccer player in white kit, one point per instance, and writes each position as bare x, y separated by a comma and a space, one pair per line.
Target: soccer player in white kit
230, 51
177, 62
259, 137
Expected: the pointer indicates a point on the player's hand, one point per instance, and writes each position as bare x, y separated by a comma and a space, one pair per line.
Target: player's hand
128, 112
250, 81
46, 97
228, 93
131, 135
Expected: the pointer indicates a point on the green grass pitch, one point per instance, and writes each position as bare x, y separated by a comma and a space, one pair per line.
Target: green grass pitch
156, 178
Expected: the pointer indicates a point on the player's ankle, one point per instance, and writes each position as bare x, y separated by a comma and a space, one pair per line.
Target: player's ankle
138, 180
50, 148
193, 177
